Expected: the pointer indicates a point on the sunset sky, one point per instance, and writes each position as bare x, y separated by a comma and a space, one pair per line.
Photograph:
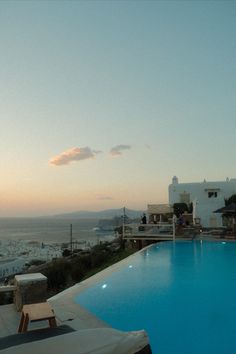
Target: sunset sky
103, 102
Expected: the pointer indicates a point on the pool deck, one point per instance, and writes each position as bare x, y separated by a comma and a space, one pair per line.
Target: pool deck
9, 320
90, 336
86, 325
74, 316
65, 308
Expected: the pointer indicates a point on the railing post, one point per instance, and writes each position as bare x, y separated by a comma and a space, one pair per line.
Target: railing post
173, 224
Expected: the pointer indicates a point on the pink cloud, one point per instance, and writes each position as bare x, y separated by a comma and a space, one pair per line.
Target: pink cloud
117, 150
74, 154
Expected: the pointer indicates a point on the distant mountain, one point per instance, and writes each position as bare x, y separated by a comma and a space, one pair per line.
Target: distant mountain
109, 213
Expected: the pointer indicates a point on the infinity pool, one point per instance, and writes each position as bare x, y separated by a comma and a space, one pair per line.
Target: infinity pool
183, 294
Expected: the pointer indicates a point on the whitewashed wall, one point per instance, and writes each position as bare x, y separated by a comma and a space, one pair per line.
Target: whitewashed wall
11, 266
203, 205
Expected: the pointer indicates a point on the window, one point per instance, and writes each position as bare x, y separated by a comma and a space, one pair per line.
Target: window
212, 194
185, 198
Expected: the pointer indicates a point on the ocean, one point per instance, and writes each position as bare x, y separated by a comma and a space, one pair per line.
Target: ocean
48, 230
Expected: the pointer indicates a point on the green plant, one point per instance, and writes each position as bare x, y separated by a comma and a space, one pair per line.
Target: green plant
180, 208
231, 199
58, 274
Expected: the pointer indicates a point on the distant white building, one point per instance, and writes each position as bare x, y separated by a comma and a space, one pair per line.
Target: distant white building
206, 197
159, 212
11, 266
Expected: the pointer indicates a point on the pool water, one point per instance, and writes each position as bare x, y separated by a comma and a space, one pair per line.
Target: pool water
183, 294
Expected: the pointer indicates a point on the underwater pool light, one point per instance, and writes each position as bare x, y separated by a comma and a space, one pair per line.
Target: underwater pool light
104, 286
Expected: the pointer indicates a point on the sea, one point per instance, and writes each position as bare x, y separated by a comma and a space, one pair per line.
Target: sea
51, 230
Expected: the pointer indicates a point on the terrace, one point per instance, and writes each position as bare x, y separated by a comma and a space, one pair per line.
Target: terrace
77, 330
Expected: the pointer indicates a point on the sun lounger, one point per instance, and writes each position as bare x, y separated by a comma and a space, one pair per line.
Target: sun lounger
92, 341
32, 336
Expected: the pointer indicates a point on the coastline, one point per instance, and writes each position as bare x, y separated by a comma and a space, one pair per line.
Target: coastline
23, 240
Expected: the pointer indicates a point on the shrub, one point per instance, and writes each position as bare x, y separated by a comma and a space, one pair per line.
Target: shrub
58, 274
66, 253
78, 269
36, 262
99, 257
230, 200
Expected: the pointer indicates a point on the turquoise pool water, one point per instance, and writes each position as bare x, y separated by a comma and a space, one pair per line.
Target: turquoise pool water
183, 294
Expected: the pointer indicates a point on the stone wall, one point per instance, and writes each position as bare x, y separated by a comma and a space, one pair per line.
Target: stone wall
30, 289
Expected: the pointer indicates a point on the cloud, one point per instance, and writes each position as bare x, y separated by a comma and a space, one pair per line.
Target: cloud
74, 154
117, 150
104, 197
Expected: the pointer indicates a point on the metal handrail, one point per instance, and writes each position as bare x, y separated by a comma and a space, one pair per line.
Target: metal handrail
151, 227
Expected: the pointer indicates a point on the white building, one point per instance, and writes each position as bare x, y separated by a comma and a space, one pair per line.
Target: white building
11, 266
206, 197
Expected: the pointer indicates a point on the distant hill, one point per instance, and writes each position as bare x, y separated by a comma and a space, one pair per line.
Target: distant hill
109, 213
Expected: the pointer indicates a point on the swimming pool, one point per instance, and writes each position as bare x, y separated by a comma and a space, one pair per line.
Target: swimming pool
183, 294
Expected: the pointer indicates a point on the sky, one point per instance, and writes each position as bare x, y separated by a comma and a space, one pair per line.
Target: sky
103, 102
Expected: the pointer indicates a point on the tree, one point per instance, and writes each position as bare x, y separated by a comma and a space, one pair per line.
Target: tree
180, 208
231, 199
